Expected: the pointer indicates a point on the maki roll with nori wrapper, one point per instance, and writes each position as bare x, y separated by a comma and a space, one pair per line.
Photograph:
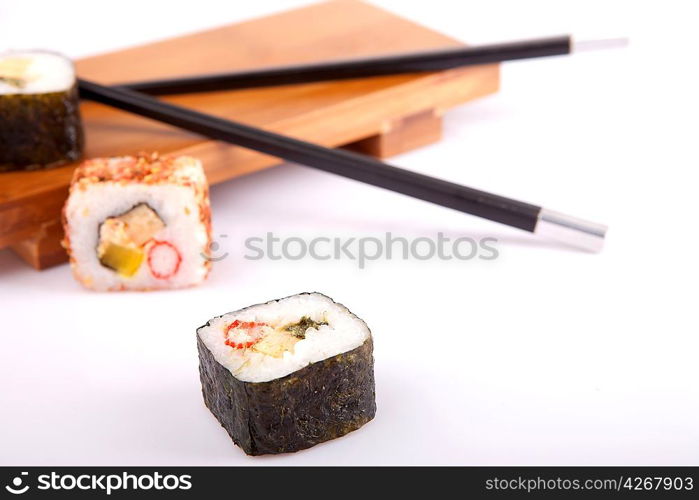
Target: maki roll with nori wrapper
40, 122
288, 374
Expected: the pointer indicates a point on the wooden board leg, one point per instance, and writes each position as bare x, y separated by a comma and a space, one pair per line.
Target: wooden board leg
403, 135
44, 248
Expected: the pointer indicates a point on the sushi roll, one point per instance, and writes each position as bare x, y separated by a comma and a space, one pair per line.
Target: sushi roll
39, 111
288, 374
138, 223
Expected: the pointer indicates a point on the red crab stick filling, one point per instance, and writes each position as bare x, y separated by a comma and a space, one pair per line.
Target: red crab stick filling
244, 334
163, 259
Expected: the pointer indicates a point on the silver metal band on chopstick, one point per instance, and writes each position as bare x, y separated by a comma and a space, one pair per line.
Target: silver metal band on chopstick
570, 230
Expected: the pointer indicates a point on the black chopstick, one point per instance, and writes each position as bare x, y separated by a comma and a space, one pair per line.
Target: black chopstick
434, 60
355, 166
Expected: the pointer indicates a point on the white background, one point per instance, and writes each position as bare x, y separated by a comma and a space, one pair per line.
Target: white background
543, 356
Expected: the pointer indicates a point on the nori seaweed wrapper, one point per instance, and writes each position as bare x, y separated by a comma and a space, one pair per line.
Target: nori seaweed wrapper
40, 130
322, 401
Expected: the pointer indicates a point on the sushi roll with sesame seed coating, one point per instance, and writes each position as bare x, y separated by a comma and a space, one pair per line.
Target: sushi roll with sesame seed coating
138, 223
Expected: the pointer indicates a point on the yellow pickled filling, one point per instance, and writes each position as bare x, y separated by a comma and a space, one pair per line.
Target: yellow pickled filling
284, 338
124, 260
13, 70
275, 343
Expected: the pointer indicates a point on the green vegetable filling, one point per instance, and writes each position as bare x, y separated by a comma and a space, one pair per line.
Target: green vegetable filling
299, 328
15, 82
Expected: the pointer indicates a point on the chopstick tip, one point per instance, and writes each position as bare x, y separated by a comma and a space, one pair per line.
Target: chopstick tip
598, 44
570, 230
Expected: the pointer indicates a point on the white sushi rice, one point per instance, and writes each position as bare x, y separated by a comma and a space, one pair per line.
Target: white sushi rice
178, 207
344, 332
42, 72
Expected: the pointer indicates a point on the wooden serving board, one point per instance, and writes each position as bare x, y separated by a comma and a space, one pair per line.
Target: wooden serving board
381, 116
